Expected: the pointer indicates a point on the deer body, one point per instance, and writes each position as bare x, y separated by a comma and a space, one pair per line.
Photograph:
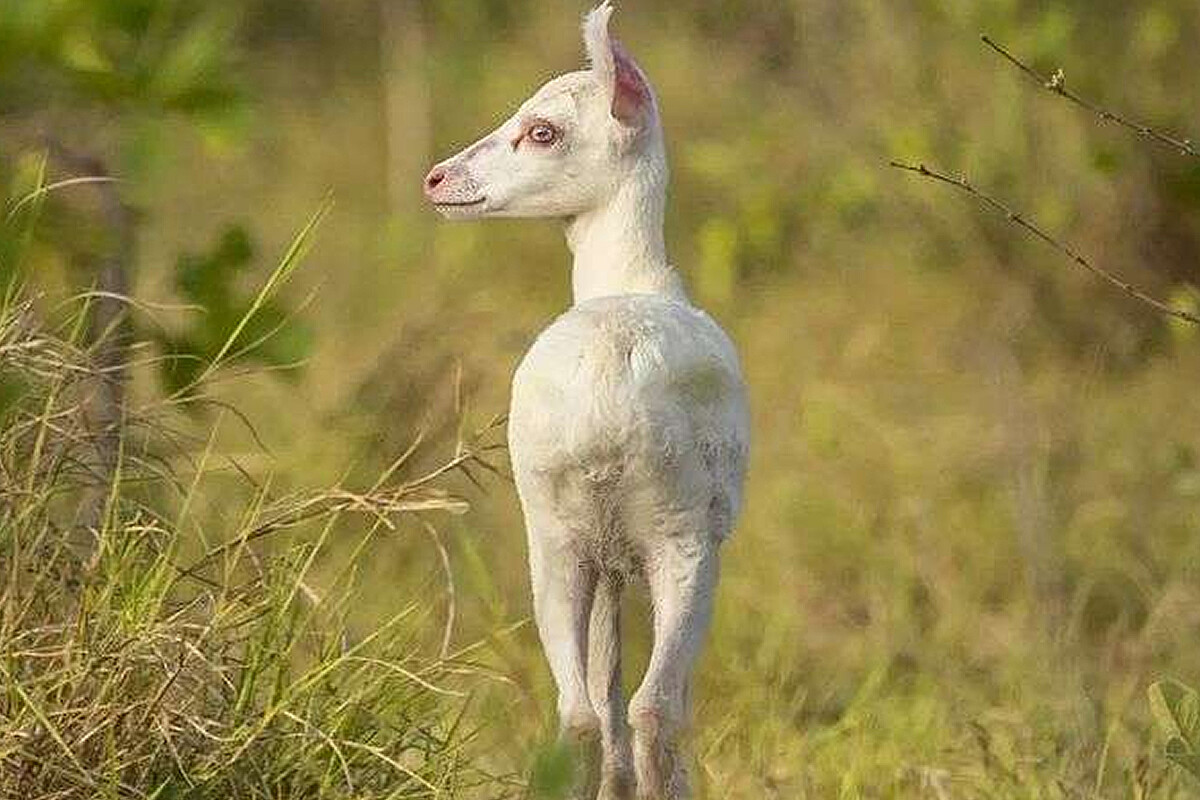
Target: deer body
626, 411
628, 427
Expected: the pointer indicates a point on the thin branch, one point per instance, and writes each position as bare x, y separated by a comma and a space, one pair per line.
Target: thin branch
1057, 84
1022, 221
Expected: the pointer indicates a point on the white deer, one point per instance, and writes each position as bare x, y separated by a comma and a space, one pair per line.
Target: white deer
628, 428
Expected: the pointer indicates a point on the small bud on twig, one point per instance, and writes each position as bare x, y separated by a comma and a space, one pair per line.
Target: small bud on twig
1057, 84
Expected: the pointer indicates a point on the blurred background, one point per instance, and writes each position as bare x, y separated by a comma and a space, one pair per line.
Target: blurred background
971, 535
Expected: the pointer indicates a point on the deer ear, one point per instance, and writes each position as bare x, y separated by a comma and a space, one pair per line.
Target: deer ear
631, 99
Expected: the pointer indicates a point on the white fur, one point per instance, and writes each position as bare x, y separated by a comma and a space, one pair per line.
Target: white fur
628, 428
598, 46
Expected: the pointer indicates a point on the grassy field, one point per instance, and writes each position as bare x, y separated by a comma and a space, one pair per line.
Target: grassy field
971, 541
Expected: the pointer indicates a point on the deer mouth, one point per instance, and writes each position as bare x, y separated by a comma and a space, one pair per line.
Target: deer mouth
461, 209
459, 203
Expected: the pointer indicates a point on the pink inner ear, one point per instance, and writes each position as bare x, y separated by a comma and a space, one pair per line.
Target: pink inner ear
631, 92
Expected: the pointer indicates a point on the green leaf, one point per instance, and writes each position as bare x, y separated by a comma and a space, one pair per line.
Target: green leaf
1176, 710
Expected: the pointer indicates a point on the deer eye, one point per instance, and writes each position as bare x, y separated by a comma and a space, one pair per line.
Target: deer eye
543, 133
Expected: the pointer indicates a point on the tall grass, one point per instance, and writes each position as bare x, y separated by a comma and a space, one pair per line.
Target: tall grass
181, 647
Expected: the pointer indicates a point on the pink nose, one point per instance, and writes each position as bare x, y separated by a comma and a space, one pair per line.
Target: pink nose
434, 179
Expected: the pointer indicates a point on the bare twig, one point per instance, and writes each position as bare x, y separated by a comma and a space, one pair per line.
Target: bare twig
1057, 84
1022, 221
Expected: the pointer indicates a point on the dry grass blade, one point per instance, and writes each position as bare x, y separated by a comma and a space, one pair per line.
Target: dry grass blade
451, 589
1026, 223
43, 720
42, 191
383, 504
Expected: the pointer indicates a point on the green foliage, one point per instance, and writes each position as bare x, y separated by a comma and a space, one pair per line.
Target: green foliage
212, 282
135, 55
145, 64
1176, 709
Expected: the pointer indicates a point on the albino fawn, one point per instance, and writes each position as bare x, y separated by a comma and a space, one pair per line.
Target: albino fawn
628, 428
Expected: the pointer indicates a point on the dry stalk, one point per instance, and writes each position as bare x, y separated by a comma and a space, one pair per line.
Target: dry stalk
1057, 84
1025, 222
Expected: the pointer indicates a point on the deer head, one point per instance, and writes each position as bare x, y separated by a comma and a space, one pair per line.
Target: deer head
568, 149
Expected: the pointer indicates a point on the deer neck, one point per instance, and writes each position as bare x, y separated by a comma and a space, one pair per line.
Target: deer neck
619, 247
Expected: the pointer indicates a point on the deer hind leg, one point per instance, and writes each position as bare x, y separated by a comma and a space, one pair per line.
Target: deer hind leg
604, 687
682, 574
563, 590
